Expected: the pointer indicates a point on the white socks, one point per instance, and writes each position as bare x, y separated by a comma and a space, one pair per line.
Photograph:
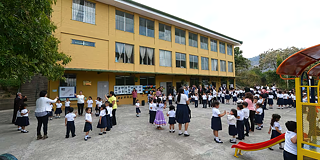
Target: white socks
185, 132
180, 132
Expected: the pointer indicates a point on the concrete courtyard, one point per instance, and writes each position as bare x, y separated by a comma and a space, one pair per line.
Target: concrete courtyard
134, 138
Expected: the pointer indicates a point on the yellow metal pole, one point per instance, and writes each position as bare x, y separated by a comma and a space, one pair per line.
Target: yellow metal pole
299, 118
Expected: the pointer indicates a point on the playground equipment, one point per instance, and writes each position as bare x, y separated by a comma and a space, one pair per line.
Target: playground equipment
241, 146
307, 85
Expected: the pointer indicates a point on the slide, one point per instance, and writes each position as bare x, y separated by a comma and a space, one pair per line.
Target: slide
241, 146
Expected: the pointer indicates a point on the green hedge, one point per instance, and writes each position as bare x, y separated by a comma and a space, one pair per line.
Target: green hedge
4, 83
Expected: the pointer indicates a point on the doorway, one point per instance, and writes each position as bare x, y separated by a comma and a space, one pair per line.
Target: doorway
169, 88
178, 85
103, 88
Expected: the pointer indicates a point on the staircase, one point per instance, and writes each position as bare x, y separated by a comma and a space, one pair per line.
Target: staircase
32, 89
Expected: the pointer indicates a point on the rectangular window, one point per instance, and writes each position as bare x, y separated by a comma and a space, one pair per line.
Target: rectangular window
204, 63
230, 66
222, 47
193, 40
204, 42
84, 11
180, 60
147, 81
194, 81
146, 56
229, 49
164, 32
165, 58
124, 53
83, 43
213, 45
146, 27
124, 80
180, 36
124, 21
222, 66
214, 64
193, 61
70, 80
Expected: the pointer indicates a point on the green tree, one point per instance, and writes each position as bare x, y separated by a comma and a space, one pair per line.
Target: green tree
241, 63
27, 44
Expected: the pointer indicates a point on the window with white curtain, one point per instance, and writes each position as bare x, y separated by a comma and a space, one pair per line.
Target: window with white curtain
222, 66
230, 66
146, 56
164, 32
204, 63
180, 36
165, 58
213, 45
229, 49
204, 42
222, 47
146, 27
193, 40
124, 21
124, 53
180, 60
193, 61
84, 11
214, 64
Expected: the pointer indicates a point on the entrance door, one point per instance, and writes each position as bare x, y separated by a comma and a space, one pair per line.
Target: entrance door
164, 85
178, 85
168, 88
103, 89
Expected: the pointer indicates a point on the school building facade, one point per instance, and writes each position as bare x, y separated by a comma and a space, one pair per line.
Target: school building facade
118, 44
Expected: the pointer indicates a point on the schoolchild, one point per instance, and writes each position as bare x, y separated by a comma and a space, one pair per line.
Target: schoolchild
246, 113
285, 98
138, 108
232, 125
66, 106
159, 120
240, 122
210, 99
196, 98
164, 98
109, 115
88, 123
69, 122
172, 118
235, 99
270, 100
90, 102
170, 99
258, 116
98, 106
280, 101
102, 124
275, 128
227, 96
152, 111
290, 146
58, 109
24, 118
223, 94
18, 119
216, 125
50, 114
204, 100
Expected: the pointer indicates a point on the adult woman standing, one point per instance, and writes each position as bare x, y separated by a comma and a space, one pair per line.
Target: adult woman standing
41, 112
182, 114
18, 101
158, 93
134, 96
249, 99
112, 99
80, 102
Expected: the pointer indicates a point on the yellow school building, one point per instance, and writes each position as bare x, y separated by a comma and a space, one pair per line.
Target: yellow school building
117, 45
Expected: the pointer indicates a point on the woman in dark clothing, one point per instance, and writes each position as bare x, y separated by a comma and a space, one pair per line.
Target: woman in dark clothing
18, 101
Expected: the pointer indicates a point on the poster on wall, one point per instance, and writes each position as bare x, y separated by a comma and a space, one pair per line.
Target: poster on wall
118, 90
67, 92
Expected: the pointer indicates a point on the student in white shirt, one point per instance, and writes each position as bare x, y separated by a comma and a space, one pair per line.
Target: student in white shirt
234, 97
204, 100
80, 102
285, 99
18, 119
69, 122
240, 122
98, 105
294, 100
196, 98
290, 146
102, 124
88, 123
270, 100
246, 113
152, 110
170, 99
89, 103
172, 118
258, 118
275, 128
109, 115
210, 99
24, 118
216, 121
164, 98
223, 94
280, 101
138, 108
66, 106
232, 125
58, 108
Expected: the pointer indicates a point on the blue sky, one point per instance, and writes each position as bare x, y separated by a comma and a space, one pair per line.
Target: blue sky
261, 25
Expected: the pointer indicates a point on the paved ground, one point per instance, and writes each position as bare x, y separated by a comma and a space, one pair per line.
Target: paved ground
134, 138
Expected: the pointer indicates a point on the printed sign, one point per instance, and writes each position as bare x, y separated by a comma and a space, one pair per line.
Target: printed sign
67, 92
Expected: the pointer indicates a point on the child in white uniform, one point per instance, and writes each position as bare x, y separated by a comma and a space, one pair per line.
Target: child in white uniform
246, 113
109, 115
232, 125
275, 128
69, 122
152, 111
258, 117
24, 118
66, 106
196, 98
90, 102
58, 109
138, 108
18, 120
172, 118
88, 123
216, 125
240, 122
290, 146
170, 99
